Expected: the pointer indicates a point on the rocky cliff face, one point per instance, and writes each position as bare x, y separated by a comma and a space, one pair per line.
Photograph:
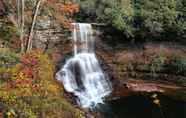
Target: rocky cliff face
156, 67
49, 34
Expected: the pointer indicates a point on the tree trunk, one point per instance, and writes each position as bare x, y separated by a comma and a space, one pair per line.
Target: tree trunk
18, 13
49, 38
22, 25
29, 45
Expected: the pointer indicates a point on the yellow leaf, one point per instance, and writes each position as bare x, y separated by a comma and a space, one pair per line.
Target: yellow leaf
156, 101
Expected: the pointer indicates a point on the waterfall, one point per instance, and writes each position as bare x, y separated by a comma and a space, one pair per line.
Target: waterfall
82, 74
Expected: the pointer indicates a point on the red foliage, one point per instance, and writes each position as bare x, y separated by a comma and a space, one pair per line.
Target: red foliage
68, 8
30, 59
28, 72
63, 11
23, 83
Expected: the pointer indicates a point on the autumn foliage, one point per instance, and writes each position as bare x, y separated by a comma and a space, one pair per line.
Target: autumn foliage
29, 90
63, 11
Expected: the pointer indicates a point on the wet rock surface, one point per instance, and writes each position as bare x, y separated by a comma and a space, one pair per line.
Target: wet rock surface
155, 67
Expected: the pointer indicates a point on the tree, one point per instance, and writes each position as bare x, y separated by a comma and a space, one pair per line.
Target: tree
61, 10
23, 14
22, 24
152, 19
29, 45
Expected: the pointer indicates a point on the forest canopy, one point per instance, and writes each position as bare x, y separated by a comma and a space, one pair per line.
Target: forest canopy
155, 19
139, 20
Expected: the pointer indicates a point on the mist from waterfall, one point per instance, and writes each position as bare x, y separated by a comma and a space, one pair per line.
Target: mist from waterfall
82, 74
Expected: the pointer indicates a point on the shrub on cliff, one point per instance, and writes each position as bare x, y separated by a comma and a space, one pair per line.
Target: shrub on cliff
177, 65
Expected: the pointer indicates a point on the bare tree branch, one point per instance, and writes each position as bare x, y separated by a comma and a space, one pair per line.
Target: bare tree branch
29, 45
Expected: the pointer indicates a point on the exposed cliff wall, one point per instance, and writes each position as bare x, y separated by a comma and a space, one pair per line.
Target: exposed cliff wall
140, 68
147, 68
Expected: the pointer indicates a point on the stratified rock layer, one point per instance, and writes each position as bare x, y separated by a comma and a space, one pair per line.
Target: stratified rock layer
151, 68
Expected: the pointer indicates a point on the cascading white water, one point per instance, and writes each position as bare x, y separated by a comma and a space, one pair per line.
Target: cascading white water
82, 74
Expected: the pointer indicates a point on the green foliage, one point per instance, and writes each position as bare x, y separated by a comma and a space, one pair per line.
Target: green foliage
7, 31
157, 63
178, 64
121, 17
140, 18
159, 16
8, 58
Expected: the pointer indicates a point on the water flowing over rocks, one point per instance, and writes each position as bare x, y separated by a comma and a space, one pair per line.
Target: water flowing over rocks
131, 71
82, 74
